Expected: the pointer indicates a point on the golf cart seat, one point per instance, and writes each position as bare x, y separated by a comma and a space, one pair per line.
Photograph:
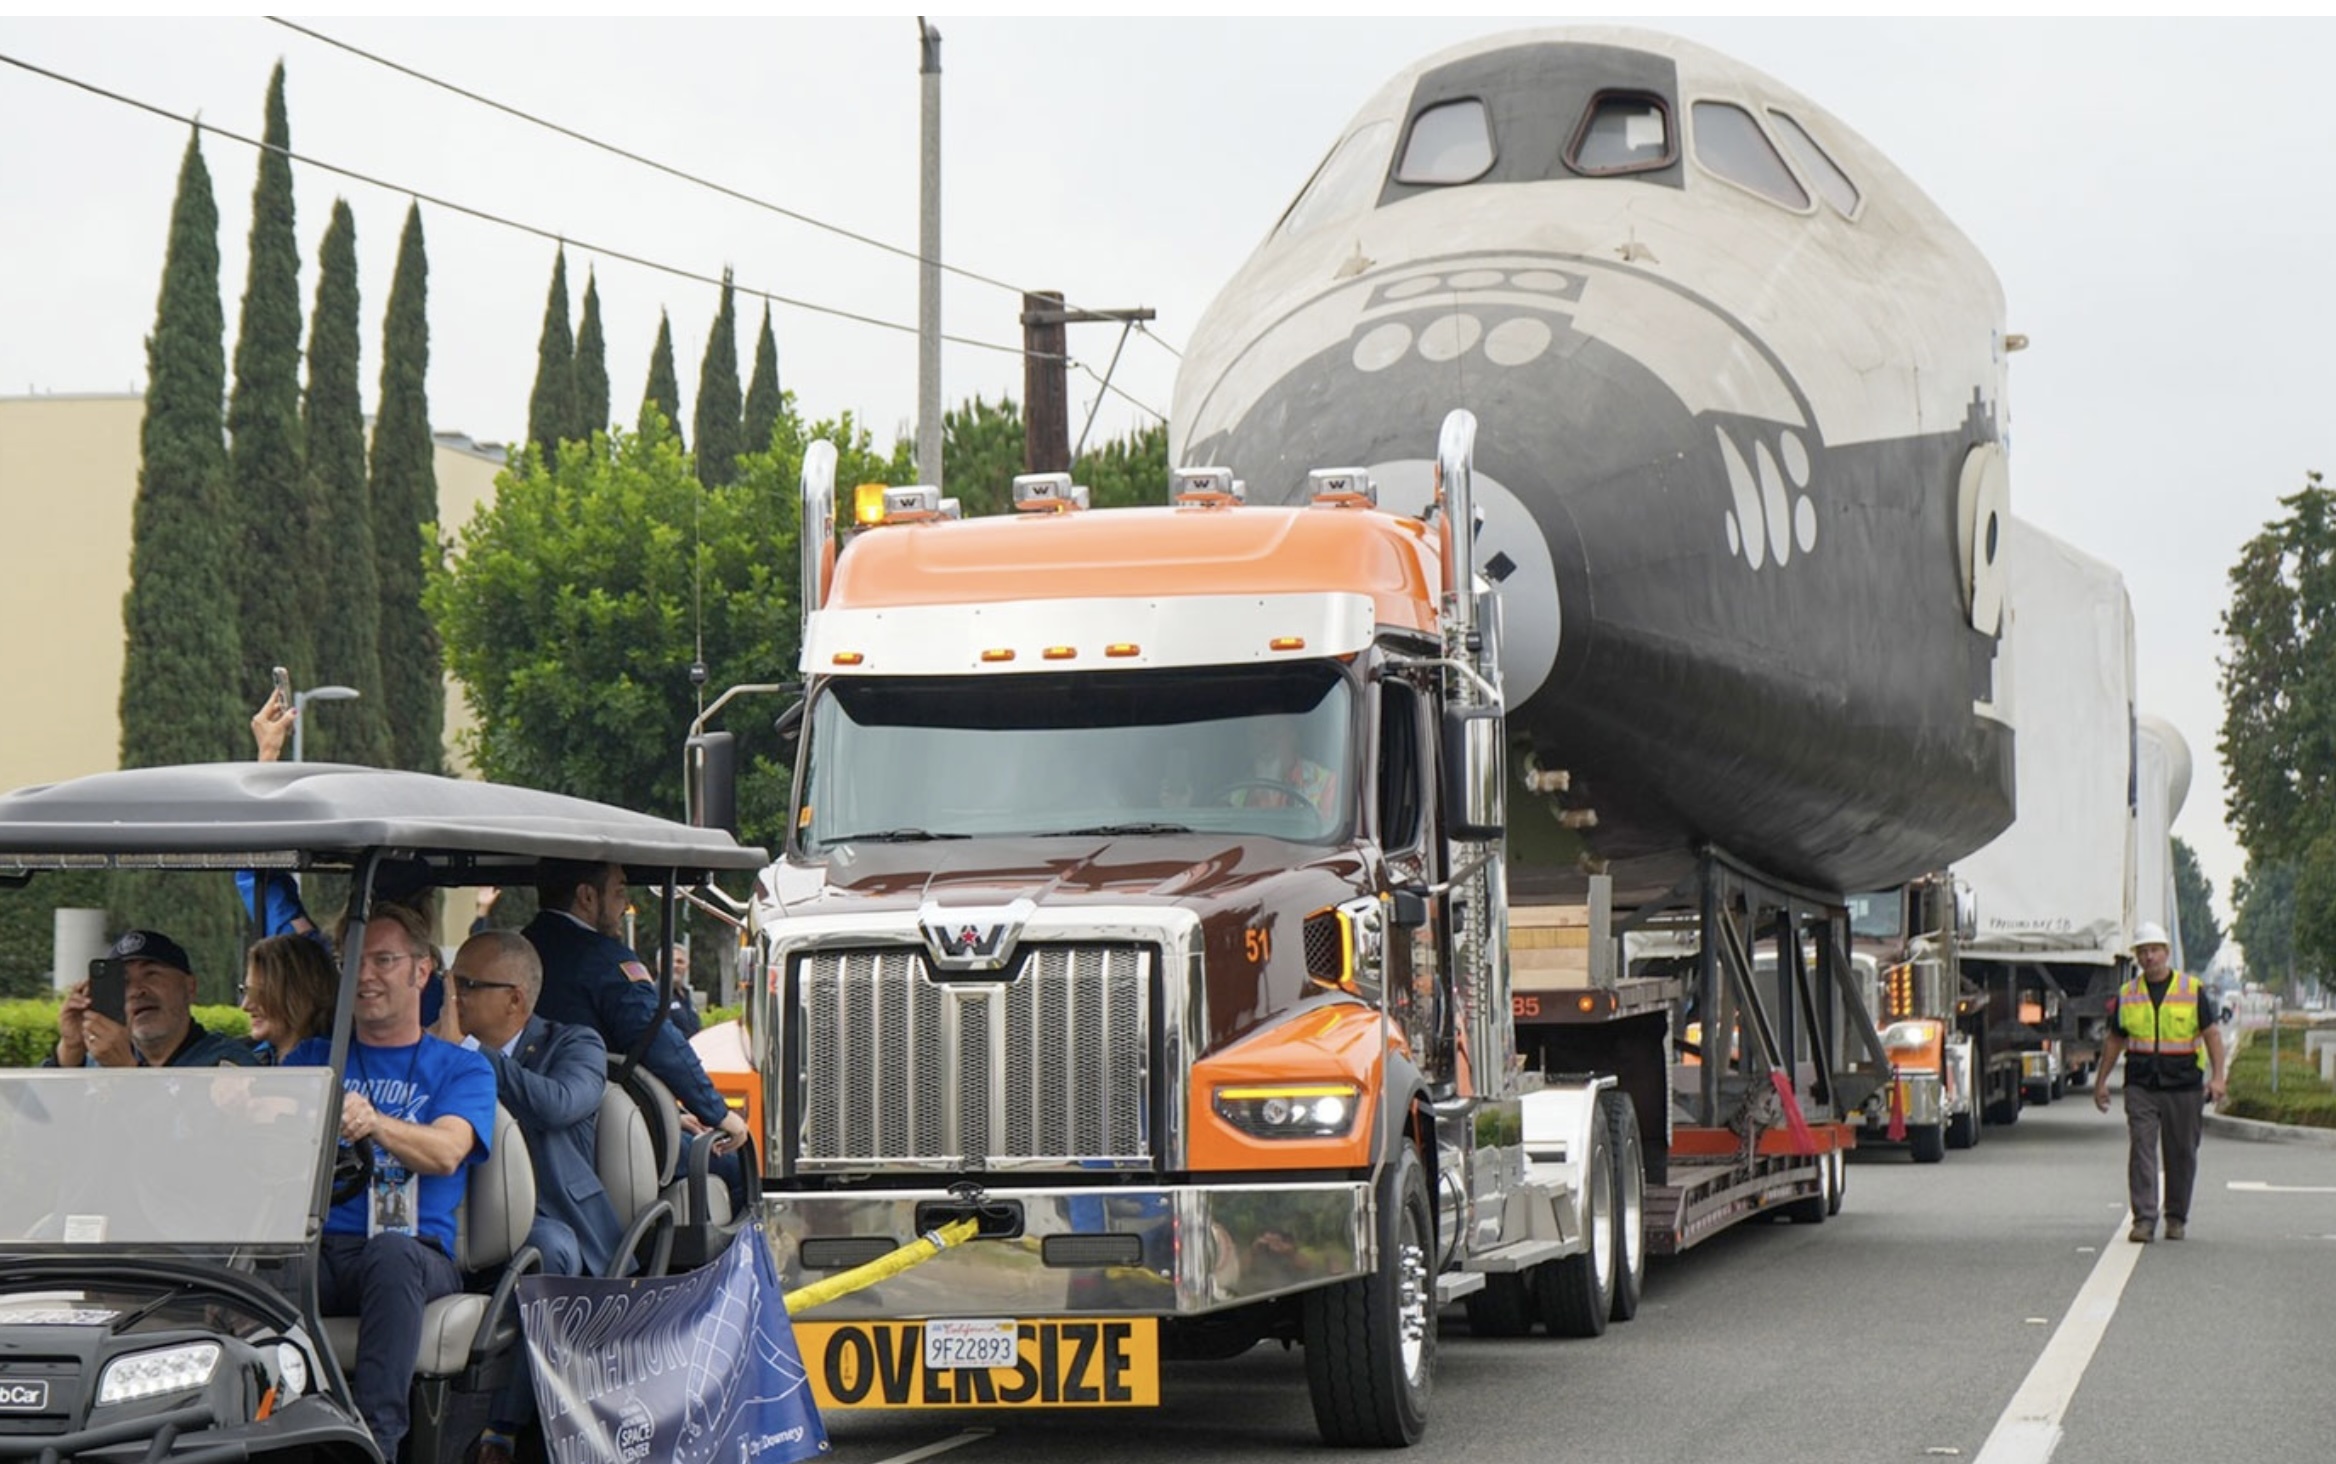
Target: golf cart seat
635, 1168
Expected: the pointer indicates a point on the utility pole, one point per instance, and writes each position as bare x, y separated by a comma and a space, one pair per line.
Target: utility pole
929, 261
1046, 360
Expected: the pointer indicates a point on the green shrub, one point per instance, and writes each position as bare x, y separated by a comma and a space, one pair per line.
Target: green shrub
28, 1028
2302, 1098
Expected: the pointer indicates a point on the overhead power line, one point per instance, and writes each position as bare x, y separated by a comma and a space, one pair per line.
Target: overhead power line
668, 169
487, 216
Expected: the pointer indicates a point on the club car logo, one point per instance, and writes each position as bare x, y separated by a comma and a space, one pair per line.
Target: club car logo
973, 940
18, 1397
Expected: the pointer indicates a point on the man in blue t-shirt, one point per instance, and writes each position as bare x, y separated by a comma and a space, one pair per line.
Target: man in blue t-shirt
427, 1108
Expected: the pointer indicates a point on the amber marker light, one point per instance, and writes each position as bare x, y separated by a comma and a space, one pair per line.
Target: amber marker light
849, 658
868, 504
1061, 653
1122, 648
1287, 643
998, 653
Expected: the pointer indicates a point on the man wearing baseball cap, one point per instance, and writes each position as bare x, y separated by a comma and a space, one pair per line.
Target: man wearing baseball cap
158, 1027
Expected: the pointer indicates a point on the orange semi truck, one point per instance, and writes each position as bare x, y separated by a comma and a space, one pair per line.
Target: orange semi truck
1146, 899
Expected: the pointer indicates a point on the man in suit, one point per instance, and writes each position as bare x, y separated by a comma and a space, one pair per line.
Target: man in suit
550, 1075
593, 978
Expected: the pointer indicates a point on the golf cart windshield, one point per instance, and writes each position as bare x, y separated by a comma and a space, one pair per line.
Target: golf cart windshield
184, 1157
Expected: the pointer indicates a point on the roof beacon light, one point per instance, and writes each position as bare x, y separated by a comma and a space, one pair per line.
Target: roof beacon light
1342, 488
1206, 488
1048, 493
868, 504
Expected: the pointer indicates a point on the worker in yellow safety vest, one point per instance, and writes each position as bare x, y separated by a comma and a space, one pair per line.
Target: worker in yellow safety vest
2162, 1024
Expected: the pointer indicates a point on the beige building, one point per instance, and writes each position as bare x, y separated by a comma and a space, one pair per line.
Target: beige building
68, 479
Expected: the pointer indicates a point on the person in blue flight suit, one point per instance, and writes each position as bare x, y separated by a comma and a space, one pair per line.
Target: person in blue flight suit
591, 977
551, 1076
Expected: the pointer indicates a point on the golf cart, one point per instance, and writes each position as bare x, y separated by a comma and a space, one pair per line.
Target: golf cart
159, 1227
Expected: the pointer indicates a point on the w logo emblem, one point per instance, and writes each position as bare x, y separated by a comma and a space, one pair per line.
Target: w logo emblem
973, 940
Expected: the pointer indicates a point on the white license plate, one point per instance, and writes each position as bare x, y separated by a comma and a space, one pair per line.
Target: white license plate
969, 1342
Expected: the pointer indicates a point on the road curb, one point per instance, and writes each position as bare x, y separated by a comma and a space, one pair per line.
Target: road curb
2254, 1131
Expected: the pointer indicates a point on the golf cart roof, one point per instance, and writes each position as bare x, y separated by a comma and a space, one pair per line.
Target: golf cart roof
249, 815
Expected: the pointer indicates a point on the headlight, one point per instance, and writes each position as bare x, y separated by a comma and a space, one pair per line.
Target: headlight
1906, 1037
153, 1374
1291, 1111
291, 1370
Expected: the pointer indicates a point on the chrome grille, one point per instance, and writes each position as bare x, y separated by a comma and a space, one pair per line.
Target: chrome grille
1049, 1067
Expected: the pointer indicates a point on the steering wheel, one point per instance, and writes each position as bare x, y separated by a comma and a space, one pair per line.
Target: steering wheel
352, 1171
1296, 796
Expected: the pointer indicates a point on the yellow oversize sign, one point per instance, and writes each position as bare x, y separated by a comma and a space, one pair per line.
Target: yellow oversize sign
1086, 1362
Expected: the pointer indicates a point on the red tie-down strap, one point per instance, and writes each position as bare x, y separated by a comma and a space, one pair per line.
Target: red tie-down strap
1897, 1129
1804, 1141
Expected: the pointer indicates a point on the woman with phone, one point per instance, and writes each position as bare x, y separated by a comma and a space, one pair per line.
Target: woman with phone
288, 991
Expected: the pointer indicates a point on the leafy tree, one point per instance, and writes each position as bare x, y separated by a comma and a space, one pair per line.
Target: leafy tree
579, 677
2194, 900
181, 701
664, 389
718, 401
1128, 471
2264, 923
551, 406
405, 517
981, 451
2279, 708
591, 376
348, 640
279, 581
762, 391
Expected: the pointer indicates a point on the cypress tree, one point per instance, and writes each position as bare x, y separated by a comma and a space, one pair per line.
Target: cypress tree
551, 406
405, 517
278, 578
718, 405
664, 389
591, 374
348, 634
762, 390
181, 701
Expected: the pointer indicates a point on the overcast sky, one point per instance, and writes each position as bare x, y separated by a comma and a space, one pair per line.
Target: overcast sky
2155, 196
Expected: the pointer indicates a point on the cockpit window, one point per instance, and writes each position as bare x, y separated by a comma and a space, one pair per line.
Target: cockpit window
1816, 165
1450, 142
1622, 132
1731, 144
1347, 181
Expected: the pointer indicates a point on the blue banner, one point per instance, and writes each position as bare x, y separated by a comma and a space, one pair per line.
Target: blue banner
700, 1369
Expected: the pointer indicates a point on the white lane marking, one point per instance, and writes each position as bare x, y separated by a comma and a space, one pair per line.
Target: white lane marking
2259, 1187
2029, 1429
944, 1446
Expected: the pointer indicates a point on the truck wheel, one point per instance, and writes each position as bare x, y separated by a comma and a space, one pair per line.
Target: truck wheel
1819, 1207
1504, 1308
1840, 1182
2005, 1110
1577, 1294
1963, 1130
1630, 1203
1929, 1140
1371, 1341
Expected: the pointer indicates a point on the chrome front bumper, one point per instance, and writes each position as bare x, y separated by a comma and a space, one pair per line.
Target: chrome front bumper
1201, 1250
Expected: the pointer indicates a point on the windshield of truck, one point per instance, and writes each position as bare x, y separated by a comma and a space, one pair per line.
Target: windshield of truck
1877, 916
1253, 751
171, 1156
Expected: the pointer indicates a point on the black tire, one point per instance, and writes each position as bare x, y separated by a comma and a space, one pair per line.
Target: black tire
1929, 1141
1840, 1182
2005, 1110
1963, 1130
1576, 1295
1504, 1308
1819, 1207
1630, 1203
1371, 1341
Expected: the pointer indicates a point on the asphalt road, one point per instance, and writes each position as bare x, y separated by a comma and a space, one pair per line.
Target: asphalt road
1903, 1329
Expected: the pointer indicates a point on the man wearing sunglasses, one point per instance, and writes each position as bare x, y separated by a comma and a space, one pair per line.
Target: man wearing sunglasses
550, 1075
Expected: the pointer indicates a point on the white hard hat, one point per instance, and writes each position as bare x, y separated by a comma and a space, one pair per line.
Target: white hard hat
2149, 932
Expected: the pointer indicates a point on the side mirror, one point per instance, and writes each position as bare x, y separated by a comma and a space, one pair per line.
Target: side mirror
1407, 908
713, 781
1474, 779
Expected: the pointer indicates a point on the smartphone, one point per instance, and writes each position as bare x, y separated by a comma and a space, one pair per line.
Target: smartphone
284, 688
108, 989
